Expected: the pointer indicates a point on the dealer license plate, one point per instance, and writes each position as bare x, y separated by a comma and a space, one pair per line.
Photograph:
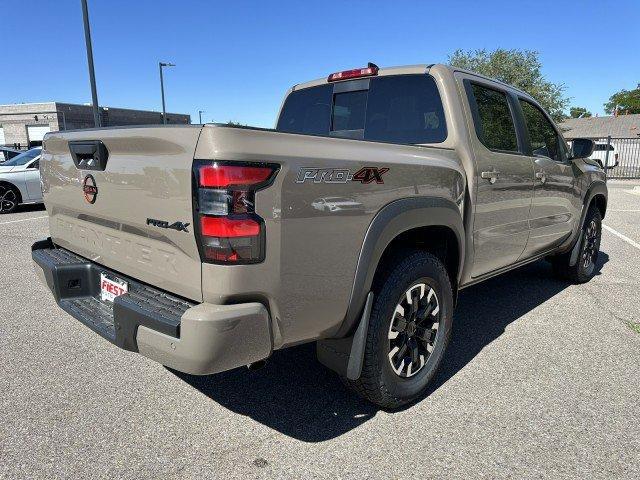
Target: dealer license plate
111, 287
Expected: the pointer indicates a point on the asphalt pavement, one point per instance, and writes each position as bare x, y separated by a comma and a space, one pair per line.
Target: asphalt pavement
542, 380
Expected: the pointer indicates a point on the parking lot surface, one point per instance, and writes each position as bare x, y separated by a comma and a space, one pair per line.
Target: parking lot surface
542, 379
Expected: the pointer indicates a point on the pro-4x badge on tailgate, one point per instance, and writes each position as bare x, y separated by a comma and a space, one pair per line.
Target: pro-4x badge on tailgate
341, 175
179, 226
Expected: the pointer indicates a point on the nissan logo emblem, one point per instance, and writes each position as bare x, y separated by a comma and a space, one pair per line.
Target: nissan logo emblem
90, 189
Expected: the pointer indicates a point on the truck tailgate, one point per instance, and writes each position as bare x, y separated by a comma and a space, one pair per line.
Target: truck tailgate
144, 187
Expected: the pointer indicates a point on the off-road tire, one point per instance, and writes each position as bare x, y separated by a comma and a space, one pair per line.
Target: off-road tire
378, 382
582, 271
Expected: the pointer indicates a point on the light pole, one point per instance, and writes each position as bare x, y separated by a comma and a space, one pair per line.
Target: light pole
200, 112
92, 75
163, 64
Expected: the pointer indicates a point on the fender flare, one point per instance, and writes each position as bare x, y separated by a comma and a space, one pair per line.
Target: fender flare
596, 188
392, 220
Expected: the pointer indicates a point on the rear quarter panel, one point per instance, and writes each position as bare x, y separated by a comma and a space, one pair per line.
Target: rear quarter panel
311, 253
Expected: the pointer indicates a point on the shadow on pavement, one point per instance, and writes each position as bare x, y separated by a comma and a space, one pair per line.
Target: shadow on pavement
300, 398
30, 207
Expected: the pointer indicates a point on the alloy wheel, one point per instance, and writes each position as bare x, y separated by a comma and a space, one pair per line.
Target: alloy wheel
8, 200
413, 330
591, 245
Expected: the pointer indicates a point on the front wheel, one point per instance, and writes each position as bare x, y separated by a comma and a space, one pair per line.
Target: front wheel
409, 329
589, 249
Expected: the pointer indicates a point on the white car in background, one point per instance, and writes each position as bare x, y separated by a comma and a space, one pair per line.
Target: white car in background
600, 154
20, 180
7, 153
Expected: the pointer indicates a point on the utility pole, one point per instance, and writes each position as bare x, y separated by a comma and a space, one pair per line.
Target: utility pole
164, 113
92, 75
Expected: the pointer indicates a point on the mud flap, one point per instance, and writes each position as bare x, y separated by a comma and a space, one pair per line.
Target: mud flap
345, 355
573, 258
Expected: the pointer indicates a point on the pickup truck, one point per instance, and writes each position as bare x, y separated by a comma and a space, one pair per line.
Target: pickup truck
380, 194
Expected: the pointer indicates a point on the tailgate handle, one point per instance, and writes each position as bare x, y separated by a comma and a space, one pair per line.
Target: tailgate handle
89, 154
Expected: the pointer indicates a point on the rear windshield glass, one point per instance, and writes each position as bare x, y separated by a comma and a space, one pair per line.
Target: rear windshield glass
403, 109
349, 110
307, 111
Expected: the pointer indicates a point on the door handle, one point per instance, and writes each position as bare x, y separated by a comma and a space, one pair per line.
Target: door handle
541, 176
491, 175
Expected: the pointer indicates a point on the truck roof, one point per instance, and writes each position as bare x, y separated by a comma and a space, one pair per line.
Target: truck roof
412, 69
402, 70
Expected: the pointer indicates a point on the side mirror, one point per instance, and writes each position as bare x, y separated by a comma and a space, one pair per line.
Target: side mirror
582, 147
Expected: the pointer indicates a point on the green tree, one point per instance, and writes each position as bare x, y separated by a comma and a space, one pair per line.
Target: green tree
579, 112
626, 101
520, 68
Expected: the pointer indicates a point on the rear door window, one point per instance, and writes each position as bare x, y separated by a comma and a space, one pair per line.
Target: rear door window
493, 120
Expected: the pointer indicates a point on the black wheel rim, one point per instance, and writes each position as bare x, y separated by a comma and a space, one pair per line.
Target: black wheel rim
413, 330
591, 245
8, 200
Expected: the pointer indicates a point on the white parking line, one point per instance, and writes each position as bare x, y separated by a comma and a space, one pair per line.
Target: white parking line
23, 220
623, 237
612, 210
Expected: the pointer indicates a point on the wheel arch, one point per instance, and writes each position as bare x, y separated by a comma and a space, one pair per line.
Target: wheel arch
432, 223
599, 200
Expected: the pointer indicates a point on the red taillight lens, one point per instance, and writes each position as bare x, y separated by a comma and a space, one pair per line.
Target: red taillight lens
229, 230
355, 73
221, 176
226, 227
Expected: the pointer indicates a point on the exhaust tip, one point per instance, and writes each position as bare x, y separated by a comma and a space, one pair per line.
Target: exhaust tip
256, 365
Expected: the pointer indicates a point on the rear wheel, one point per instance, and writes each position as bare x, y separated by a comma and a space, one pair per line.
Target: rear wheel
9, 199
409, 329
589, 249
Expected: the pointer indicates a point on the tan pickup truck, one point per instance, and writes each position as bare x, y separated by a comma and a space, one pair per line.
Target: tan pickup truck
354, 223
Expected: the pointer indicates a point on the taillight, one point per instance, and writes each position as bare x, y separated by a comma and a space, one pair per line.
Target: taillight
229, 230
369, 71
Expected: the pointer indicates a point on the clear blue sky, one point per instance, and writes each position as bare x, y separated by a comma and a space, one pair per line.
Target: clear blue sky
235, 59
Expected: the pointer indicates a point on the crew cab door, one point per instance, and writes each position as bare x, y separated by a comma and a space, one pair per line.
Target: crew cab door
556, 202
504, 177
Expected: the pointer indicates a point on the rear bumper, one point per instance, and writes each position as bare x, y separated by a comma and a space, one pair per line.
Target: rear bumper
192, 338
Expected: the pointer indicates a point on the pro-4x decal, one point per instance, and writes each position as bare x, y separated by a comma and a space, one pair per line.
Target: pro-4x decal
341, 175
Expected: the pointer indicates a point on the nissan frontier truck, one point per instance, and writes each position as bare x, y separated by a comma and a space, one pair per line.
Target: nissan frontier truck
354, 223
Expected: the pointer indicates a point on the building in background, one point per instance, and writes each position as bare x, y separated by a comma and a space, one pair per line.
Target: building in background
23, 125
622, 126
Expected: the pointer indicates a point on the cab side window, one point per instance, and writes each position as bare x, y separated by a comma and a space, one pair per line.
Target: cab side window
493, 120
545, 140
